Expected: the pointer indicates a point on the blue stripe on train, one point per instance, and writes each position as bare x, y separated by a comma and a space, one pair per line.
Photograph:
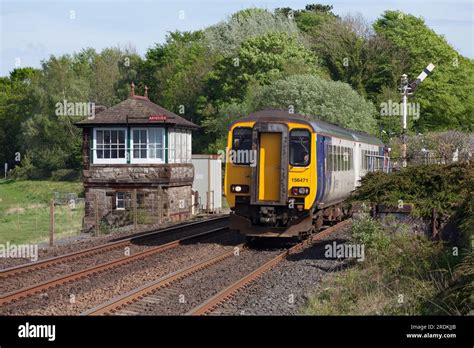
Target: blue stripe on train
321, 142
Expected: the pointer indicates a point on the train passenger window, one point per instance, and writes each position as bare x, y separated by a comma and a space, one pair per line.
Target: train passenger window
242, 144
300, 147
343, 163
333, 164
329, 158
364, 159
334, 158
338, 158
349, 150
345, 158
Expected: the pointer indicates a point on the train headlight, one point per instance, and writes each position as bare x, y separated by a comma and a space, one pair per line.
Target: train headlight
239, 188
300, 191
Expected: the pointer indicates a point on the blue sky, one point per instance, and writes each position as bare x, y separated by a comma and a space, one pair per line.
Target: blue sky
33, 30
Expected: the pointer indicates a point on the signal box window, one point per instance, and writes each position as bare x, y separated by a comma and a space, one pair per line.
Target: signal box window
120, 200
300, 147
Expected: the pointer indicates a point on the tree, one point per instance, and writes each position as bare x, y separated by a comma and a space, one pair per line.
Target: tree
106, 68
447, 96
50, 140
227, 36
262, 60
17, 104
313, 17
353, 53
179, 69
329, 101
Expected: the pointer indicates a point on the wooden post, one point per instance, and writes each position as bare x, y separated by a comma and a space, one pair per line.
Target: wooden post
96, 214
51, 223
152, 212
135, 217
160, 204
209, 184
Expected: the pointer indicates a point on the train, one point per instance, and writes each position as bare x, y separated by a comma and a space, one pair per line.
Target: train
286, 175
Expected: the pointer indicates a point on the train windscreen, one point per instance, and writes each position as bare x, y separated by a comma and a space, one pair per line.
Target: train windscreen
300, 147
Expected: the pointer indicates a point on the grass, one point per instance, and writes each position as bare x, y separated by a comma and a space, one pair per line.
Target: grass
403, 274
24, 211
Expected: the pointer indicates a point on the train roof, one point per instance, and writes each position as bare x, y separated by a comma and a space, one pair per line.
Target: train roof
318, 126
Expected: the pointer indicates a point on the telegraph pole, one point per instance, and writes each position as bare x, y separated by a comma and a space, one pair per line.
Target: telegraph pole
407, 89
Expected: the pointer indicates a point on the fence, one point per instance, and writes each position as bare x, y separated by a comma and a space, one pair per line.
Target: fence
37, 222
130, 208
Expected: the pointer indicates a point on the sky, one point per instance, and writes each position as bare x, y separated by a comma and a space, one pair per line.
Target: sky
32, 31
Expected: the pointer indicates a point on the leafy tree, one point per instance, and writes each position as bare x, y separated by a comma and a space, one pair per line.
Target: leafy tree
17, 104
216, 123
447, 96
353, 53
329, 101
51, 141
227, 36
106, 66
262, 60
179, 69
131, 69
313, 17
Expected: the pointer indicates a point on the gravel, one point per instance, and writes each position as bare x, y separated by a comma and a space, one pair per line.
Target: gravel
26, 279
86, 240
285, 289
79, 296
190, 292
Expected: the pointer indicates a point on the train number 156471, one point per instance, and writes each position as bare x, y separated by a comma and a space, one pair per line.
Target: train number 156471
299, 180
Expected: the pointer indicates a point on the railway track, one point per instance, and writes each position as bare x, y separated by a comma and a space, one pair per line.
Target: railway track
57, 265
147, 290
214, 302
157, 295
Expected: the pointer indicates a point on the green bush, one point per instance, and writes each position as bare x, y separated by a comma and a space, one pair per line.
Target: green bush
403, 274
368, 232
66, 175
428, 187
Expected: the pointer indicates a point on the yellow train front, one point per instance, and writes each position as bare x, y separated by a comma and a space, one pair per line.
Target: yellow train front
285, 174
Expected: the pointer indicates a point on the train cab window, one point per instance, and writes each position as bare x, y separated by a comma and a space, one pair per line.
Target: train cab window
300, 147
242, 144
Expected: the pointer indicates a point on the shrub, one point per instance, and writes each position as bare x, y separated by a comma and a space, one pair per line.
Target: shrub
368, 232
403, 274
66, 175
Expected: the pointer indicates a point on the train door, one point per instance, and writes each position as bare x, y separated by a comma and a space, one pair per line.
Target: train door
269, 167
270, 174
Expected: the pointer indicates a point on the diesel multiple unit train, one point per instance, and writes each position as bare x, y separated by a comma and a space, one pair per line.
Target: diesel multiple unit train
286, 174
